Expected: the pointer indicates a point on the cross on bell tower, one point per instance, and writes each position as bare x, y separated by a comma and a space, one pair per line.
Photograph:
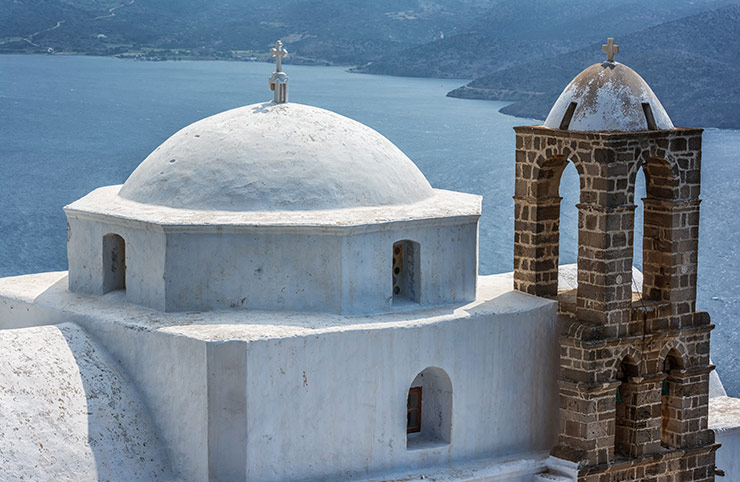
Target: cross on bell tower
279, 80
609, 49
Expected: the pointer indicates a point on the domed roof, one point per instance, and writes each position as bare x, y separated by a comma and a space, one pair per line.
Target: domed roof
608, 97
276, 157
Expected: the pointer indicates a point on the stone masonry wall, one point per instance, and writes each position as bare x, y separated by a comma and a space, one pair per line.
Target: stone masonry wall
634, 375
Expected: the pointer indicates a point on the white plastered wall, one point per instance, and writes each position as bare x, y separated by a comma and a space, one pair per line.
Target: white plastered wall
728, 456
315, 269
448, 264
171, 373
333, 406
145, 255
327, 403
253, 269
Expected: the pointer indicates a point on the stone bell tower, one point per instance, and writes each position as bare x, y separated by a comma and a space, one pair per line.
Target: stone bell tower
634, 364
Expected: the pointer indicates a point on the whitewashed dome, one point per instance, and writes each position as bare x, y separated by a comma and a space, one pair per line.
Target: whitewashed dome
608, 97
276, 157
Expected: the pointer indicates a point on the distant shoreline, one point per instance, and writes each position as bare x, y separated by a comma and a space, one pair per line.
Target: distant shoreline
146, 56
169, 55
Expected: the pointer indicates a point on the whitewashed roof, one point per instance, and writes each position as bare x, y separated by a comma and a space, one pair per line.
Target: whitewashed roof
69, 414
284, 157
608, 97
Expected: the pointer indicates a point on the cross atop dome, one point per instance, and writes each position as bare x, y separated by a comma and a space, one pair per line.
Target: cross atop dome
609, 49
279, 80
279, 52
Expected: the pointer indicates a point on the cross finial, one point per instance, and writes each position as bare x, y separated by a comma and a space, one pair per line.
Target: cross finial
278, 52
610, 49
279, 80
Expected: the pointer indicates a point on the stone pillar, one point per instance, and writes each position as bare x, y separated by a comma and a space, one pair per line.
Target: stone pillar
537, 213
586, 423
605, 236
689, 408
670, 253
536, 245
698, 466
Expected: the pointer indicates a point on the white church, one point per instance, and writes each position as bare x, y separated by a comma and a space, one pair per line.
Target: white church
277, 293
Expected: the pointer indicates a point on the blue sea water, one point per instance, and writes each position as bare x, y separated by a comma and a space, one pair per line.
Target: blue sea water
71, 124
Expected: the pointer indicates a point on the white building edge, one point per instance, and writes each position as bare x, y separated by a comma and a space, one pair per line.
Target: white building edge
257, 301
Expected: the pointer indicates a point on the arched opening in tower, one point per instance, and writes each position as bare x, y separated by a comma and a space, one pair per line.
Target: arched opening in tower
670, 428
625, 426
561, 181
570, 191
640, 194
114, 263
654, 194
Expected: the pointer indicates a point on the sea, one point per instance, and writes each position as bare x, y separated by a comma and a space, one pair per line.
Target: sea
69, 124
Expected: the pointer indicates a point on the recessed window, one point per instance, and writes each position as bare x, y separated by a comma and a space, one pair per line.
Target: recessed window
114, 263
670, 426
624, 439
413, 411
405, 271
429, 417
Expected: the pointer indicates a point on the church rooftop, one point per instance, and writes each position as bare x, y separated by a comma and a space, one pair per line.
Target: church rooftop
276, 157
608, 97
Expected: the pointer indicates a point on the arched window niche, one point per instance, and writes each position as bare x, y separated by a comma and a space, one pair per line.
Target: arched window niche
626, 427
114, 263
405, 272
671, 401
429, 410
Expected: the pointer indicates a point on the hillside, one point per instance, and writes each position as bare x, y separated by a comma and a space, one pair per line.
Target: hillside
511, 33
690, 63
323, 31
429, 38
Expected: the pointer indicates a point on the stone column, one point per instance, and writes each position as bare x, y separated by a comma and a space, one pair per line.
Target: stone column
537, 213
536, 245
688, 407
586, 422
670, 253
605, 237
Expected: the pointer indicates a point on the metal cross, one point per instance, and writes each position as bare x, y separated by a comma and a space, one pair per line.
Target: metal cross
610, 49
278, 52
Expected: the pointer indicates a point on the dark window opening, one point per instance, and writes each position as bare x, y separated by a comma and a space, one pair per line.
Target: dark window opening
405, 274
114, 263
625, 427
565, 123
649, 116
413, 410
670, 429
